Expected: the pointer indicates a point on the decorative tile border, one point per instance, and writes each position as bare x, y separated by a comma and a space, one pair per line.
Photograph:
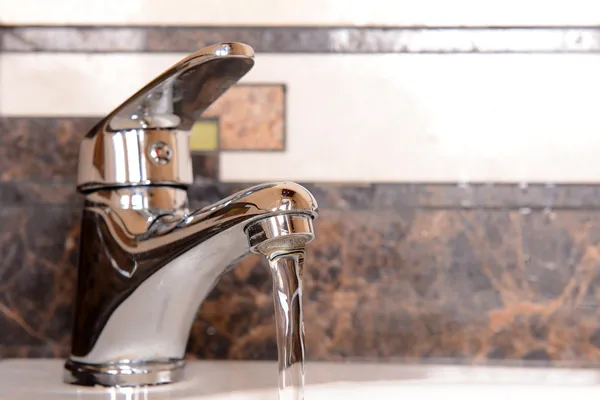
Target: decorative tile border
251, 117
247, 117
302, 39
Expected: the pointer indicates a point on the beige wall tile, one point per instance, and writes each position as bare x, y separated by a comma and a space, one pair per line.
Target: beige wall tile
370, 118
306, 12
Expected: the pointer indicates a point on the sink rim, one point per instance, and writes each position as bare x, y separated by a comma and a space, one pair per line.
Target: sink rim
216, 379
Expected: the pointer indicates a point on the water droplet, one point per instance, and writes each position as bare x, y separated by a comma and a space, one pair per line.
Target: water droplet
211, 330
523, 186
70, 243
549, 213
550, 195
525, 210
463, 180
223, 50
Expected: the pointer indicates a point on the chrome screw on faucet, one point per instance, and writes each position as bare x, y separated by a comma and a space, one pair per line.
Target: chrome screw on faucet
160, 153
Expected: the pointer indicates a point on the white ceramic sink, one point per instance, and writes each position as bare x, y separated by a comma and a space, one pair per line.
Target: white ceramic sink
227, 380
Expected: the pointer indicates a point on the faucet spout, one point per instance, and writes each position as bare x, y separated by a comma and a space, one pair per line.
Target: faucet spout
146, 261
144, 271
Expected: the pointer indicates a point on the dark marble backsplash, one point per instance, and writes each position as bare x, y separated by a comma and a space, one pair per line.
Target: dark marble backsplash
435, 273
467, 285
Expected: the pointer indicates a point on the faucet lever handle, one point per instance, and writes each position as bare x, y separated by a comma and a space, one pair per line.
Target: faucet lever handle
145, 141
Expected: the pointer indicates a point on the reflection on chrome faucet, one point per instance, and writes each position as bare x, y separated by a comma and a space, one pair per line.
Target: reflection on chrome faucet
146, 261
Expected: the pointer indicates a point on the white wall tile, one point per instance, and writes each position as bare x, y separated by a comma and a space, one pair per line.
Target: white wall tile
47, 84
356, 118
305, 12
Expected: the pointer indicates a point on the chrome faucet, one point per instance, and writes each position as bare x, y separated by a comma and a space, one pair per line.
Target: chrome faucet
146, 261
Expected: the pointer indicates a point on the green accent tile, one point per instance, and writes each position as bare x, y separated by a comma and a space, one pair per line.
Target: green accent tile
203, 136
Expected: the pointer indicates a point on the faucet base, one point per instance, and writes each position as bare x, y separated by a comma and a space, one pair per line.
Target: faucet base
125, 373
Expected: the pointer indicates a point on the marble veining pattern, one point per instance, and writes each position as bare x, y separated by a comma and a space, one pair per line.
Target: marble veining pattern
468, 285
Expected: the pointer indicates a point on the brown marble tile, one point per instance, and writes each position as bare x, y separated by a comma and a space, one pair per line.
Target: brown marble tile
468, 286
465, 286
37, 279
251, 117
41, 148
520, 195
205, 167
19, 193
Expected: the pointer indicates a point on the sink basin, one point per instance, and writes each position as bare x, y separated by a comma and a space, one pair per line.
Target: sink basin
229, 380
